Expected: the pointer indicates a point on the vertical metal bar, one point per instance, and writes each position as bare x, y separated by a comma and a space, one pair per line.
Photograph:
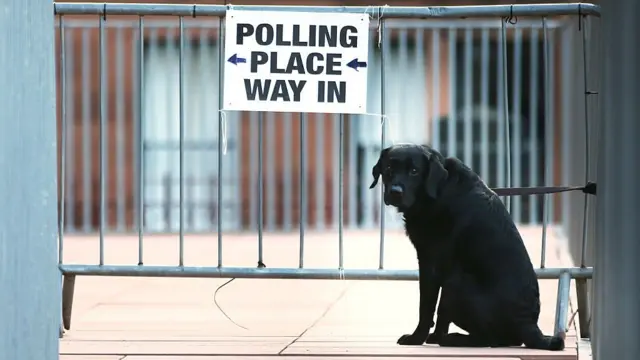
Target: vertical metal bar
341, 192
562, 304
120, 167
87, 198
152, 179
63, 132
136, 98
505, 108
140, 140
533, 125
254, 149
188, 195
550, 126
220, 130
546, 198
270, 149
567, 98
468, 97
106, 129
103, 140
366, 147
383, 49
500, 151
435, 87
398, 87
484, 101
287, 161
545, 222
303, 186
516, 135
168, 49
71, 187
337, 202
352, 185
260, 184
420, 61
319, 180
452, 121
587, 163
206, 183
181, 140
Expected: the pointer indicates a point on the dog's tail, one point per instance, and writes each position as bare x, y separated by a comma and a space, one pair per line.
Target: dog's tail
533, 338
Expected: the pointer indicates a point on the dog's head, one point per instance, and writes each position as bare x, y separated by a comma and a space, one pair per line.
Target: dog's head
409, 172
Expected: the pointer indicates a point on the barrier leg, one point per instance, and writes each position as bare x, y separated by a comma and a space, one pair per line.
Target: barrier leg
68, 287
562, 305
584, 310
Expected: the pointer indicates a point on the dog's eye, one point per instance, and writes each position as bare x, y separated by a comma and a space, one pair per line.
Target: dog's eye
413, 171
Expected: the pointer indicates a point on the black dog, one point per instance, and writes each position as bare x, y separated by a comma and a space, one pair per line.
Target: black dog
468, 245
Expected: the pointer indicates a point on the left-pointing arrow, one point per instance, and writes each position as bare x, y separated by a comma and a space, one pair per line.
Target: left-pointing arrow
355, 64
235, 59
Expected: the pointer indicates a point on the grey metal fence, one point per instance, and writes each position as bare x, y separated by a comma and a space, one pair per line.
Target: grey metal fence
141, 134
450, 70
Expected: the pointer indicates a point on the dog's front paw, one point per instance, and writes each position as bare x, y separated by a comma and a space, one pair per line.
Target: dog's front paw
413, 339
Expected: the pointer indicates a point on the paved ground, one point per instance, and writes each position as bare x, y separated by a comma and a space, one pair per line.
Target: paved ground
168, 319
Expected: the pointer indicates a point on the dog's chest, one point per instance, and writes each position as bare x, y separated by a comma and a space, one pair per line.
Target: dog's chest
430, 230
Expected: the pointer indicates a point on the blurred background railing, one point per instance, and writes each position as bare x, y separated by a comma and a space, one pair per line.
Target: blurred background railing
444, 86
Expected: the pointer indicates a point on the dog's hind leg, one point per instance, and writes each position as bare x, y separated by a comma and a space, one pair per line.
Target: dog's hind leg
445, 308
454, 307
468, 306
442, 329
462, 340
480, 340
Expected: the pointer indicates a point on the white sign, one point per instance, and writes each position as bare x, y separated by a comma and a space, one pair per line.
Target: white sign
296, 62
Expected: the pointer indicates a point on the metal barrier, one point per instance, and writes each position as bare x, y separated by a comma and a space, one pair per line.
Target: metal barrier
168, 185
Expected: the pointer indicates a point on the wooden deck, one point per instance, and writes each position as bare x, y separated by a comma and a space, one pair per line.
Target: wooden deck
167, 319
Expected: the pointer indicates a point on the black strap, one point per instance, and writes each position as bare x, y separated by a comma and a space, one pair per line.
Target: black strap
590, 188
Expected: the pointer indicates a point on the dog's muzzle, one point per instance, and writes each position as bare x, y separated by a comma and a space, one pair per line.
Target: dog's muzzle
396, 193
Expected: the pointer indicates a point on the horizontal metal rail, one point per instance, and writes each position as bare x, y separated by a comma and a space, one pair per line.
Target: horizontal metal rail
104, 9
410, 24
280, 273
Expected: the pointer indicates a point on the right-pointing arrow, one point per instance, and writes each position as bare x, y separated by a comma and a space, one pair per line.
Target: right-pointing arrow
355, 64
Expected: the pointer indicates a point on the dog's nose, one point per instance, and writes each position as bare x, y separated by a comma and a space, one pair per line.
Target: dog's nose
396, 189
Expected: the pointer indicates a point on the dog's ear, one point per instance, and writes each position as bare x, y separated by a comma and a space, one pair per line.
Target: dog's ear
437, 172
377, 168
